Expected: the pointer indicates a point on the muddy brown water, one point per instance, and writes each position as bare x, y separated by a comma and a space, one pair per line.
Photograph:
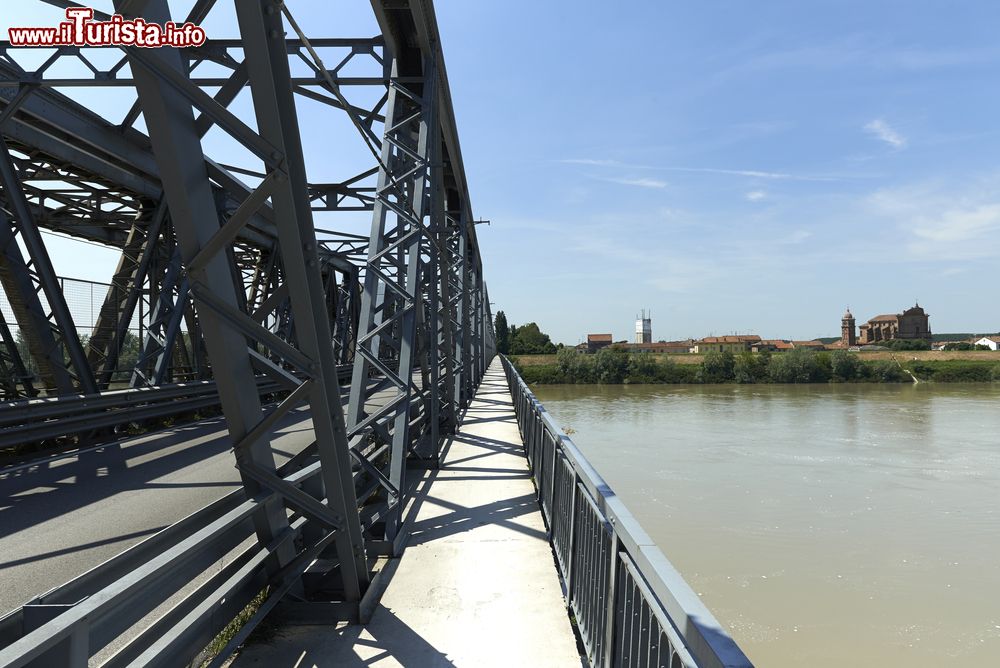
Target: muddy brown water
823, 525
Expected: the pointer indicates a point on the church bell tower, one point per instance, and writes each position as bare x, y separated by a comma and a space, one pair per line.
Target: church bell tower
847, 336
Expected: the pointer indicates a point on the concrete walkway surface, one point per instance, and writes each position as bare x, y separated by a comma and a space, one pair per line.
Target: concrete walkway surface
476, 585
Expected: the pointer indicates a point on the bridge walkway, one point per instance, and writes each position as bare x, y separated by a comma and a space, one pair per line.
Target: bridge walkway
476, 586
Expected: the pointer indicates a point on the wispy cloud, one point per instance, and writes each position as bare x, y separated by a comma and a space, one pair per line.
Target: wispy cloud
751, 173
755, 195
592, 162
640, 182
759, 174
960, 224
858, 51
944, 223
883, 131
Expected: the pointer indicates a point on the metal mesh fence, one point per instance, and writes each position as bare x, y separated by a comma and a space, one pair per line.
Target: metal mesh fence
97, 309
85, 300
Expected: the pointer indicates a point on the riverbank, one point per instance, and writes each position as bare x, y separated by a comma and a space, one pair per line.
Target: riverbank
616, 366
869, 355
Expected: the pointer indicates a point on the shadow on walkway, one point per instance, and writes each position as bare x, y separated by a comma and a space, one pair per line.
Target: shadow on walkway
31, 495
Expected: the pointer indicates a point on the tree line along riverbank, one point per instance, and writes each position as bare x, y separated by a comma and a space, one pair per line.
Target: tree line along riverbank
614, 366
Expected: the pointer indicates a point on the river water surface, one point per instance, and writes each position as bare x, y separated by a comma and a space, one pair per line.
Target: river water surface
823, 525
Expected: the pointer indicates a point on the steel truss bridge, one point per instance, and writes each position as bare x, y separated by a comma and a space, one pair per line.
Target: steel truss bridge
257, 294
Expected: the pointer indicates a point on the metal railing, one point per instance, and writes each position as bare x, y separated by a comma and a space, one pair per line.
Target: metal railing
72, 622
39, 420
631, 606
208, 567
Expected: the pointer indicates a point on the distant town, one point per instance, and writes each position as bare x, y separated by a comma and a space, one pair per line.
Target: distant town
913, 324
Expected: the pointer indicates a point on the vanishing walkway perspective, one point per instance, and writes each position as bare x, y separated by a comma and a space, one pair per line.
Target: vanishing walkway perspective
343, 365
476, 585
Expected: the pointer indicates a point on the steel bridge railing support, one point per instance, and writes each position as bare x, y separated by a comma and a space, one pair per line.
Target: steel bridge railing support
631, 606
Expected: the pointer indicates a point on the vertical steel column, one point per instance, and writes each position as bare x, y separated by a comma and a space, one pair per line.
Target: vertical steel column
199, 365
465, 318
393, 289
442, 345
124, 293
270, 83
490, 342
477, 338
188, 192
164, 325
264, 279
346, 323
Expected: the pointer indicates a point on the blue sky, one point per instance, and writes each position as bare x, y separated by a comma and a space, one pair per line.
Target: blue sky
732, 166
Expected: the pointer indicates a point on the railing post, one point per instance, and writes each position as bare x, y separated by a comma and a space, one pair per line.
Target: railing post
79, 647
611, 604
541, 480
552, 472
536, 447
72, 651
570, 571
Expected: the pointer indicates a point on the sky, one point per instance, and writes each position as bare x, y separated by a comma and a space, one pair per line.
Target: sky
750, 167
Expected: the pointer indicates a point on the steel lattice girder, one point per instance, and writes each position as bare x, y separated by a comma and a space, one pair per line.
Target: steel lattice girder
393, 296
52, 334
105, 344
78, 212
186, 187
267, 65
269, 296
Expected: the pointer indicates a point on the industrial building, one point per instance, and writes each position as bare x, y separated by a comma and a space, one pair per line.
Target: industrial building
644, 328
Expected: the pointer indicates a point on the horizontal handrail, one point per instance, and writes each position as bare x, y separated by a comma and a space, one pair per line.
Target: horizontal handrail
47, 408
41, 419
102, 576
44, 408
631, 605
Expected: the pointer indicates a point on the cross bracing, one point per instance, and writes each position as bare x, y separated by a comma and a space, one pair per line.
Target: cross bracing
264, 280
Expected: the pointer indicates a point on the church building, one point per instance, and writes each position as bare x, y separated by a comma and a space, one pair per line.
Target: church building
912, 323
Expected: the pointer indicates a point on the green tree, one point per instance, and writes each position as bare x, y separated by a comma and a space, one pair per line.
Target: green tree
750, 368
642, 368
25, 352
611, 364
907, 344
887, 371
718, 367
502, 332
959, 345
529, 340
129, 354
797, 366
845, 366
575, 366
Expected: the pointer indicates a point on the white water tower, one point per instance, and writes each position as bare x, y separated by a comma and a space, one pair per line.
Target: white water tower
644, 328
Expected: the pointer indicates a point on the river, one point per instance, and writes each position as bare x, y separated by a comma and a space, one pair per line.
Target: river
824, 525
